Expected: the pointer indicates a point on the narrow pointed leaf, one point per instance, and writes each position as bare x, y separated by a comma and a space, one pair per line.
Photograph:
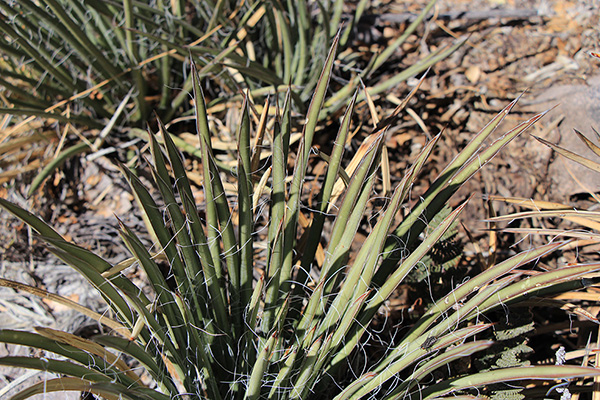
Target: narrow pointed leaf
538, 284
538, 372
389, 286
63, 384
154, 365
450, 355
245, 194
256, 378
359, 276
333, 170
594, 166
390, 49
43, 294
77, 351
110, 360
55, 366
36, 223
591, 145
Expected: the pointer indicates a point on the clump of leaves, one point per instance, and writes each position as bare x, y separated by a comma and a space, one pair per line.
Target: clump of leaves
77, 62
228, 320
584, 225
581, 227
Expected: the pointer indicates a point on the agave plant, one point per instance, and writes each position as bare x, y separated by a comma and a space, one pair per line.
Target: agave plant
70, 60
96, 52
230, 321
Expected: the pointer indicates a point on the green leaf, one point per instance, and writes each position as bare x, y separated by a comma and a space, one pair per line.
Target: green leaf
165, 299
255, 385
77, 350
358, 277
451, 354
473, 381
538, 284
36, 223
63, 384
334, 169
154, 365
471, 159
381, 58
246, 224
389, 286
55, 366
284, 273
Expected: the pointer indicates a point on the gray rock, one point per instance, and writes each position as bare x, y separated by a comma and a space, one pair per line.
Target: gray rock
579, 108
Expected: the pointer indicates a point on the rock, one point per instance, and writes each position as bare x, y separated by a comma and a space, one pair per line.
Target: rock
579, 108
